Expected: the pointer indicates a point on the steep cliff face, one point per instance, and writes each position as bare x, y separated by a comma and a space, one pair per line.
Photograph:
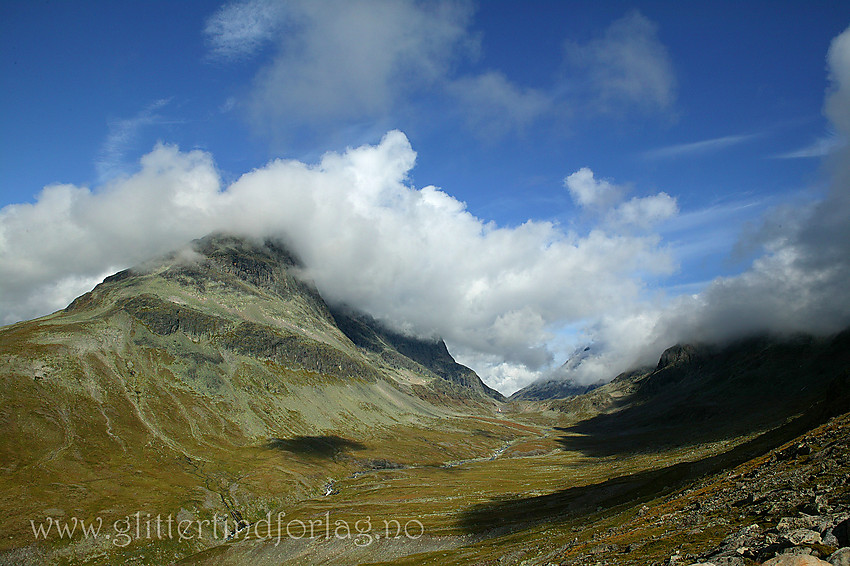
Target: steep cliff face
679, 354
432, 355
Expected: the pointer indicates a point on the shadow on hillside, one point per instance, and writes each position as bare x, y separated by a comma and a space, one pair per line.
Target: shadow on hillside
513, 514
603, 436
328, 446
721, 393
654, 426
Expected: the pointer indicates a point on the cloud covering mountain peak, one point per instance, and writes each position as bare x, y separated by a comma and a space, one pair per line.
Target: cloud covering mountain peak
413, 257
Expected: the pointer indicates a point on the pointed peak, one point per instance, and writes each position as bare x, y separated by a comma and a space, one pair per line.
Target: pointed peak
229, 245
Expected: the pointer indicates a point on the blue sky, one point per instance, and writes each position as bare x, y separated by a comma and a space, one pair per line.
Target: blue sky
705, 117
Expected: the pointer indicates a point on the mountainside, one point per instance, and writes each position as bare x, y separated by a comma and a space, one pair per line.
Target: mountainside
628, 473
169, 382
714, 391
553, 389
412, 353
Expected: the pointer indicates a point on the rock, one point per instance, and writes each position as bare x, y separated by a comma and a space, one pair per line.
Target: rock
677, 355
791, 452
840, 557
822, 504
800, 537
790, 560
788, 524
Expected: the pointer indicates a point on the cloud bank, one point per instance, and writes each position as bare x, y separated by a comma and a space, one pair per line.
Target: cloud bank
511, 301
798, 284
414, 257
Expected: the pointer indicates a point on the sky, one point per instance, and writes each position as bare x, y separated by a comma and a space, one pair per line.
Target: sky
522, 179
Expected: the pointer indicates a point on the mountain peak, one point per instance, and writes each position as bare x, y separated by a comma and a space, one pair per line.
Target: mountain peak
250, 296
677, 355
227, 245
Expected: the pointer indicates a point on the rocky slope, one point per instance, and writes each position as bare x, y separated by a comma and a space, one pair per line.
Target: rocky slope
412, 353
788, 506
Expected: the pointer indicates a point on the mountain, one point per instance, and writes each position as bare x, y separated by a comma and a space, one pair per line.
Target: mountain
553, 389
562, 385
169, 386
247, 298
216, 388
714, 391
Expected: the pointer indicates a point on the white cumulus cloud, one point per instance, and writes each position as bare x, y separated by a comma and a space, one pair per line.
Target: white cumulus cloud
587, 191
413, 257
644, 212
603, 197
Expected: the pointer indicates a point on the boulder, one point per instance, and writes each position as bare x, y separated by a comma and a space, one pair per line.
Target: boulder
840, 557
791, 560
799, 537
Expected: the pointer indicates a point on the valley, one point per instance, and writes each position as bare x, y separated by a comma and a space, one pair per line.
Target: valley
215, 389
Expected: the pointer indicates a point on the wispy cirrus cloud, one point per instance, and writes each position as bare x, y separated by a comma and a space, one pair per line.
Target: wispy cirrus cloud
337, 65
819, 148
342, 63
699, 147
625, 67
240, 29
493, 105
627, 64
112, 159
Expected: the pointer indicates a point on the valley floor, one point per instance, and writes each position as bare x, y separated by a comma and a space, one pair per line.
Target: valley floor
507, 489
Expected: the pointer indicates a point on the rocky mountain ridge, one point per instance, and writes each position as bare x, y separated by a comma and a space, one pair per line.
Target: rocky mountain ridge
714, 390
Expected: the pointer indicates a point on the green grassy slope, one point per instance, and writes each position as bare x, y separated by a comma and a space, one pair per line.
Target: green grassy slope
170, 388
